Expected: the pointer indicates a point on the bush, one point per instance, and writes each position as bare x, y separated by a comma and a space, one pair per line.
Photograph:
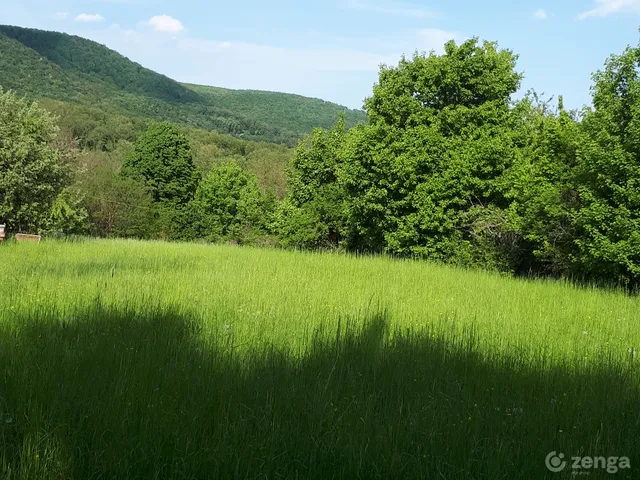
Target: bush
229, 205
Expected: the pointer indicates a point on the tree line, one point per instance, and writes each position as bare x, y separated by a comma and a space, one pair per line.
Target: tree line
448, 168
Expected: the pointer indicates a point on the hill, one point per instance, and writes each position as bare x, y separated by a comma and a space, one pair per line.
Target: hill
293, 112
58, 66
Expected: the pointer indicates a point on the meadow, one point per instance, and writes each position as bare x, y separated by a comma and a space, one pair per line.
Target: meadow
130, 360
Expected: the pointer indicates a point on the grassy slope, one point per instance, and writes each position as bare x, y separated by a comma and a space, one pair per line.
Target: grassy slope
143, 360
63, 67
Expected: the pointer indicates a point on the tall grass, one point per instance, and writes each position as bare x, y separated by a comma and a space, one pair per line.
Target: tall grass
127, 359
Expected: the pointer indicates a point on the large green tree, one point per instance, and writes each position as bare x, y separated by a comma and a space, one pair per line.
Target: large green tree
32, 171
314, 213
542, 188
162, 158
608, 174
431, 161
229, 205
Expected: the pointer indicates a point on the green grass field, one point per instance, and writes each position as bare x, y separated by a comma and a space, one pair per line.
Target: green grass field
123, 360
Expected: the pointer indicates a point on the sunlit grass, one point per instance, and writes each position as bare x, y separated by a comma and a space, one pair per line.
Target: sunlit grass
270, 295
131, 359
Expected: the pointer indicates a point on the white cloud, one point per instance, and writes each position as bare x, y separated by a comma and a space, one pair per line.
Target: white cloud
608, 7
541, 14
89, 18
389, 7
166, 24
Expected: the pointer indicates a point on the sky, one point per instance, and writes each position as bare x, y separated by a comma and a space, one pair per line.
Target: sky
332, 49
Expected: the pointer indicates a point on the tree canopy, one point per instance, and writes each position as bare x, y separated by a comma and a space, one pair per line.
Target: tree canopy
451, 168
32, 171
608, 173
229, 205
430, 161
162, 158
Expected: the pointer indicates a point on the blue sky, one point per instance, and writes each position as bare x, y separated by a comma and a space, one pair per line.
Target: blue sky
332, 49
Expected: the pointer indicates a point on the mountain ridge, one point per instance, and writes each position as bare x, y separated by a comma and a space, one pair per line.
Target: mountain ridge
52, 65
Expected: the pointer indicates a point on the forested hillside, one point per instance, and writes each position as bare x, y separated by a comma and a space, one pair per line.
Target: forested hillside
293, 112
50, 65
80, 56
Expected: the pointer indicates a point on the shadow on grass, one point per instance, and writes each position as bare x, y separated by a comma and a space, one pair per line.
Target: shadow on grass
116, 394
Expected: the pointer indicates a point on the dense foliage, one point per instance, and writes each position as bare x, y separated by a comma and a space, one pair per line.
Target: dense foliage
608, 174
32, 172
229, 205
451, 169
162, 159
430, 161
313, 214
292, 112
50, 65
